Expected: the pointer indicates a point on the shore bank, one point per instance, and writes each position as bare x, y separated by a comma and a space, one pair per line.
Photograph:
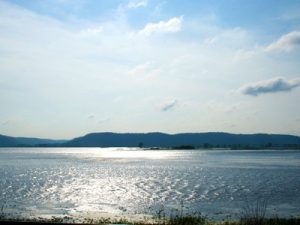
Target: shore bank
160, 219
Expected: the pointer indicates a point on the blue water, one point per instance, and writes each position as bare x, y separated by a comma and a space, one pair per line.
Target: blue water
219, 183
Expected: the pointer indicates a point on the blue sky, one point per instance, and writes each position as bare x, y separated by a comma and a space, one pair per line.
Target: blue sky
70, 67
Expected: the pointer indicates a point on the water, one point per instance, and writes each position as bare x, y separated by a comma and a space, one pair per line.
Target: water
68, 181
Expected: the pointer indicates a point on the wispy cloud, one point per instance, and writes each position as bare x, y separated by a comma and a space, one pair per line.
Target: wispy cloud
103, 120
91, 117
92, 31
285, 43
169, 105
3, 123
274, 85
170, 26
137, 4
140, 69
291, 14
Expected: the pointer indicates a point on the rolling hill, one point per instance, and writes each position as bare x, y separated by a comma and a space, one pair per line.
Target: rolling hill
171, 140
157, 139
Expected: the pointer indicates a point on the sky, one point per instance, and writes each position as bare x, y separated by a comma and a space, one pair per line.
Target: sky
71, 67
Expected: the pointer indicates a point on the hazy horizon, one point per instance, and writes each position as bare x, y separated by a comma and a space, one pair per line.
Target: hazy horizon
68, 68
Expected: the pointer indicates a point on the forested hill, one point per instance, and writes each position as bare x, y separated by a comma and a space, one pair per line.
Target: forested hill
7, 141
202, 140
215, 139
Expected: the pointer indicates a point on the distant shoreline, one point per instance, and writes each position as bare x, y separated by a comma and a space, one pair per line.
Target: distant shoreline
160, 149
157, 141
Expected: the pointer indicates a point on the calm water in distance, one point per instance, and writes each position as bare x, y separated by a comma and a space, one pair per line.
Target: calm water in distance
218, 183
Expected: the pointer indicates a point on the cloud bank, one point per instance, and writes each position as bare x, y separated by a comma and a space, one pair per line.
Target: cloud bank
270, 86
172, 25
285, 43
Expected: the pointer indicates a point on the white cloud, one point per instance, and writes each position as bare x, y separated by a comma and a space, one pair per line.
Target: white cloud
137, 4
91, 31
158, 10
144, 72
140, 69
285, 43
274, 85
170, 26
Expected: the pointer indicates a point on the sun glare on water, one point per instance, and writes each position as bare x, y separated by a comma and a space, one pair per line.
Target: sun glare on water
129, 153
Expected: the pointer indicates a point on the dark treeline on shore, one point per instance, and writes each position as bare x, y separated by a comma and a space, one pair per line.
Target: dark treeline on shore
240, 147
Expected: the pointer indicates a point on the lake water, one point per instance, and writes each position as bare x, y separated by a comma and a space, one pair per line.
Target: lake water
218, 183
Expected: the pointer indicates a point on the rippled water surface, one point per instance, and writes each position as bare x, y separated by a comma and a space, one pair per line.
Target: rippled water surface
219, 183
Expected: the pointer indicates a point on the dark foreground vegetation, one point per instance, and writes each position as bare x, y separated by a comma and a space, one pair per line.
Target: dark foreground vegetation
178, 220
254, 214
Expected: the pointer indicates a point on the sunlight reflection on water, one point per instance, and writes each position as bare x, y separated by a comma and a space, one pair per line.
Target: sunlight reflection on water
130, 181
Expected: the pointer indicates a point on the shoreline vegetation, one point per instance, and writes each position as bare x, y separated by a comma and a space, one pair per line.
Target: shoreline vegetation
251, 214
190, 219
180, 147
